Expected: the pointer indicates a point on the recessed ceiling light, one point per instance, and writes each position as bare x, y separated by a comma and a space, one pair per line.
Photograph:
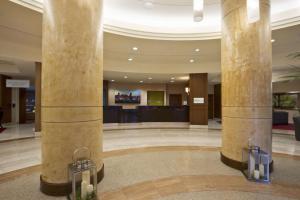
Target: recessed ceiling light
130, 59
148, 4
172, 81
197, 50
184, 78
135, 48
173, 78
112, 80
126, 77
150, 78
192, 60
273, 40
141, 81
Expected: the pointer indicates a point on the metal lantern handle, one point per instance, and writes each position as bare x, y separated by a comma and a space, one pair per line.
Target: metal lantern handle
85, 150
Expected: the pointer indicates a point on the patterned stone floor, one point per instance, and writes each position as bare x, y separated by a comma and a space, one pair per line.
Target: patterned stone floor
167, 173
25, 153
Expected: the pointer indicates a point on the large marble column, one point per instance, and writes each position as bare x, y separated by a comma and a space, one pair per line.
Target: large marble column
71, 88
246, 81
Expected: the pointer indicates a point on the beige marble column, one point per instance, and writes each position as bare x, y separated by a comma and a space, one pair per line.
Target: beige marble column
246, 80
71, 88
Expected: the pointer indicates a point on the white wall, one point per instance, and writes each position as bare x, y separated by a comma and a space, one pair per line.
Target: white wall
289, 86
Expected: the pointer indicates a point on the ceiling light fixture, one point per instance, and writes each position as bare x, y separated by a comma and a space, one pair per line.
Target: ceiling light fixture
253, 11
126, 77
141, 81
187, 90
273, 40
173, 78
130, 59
197, 50
172, 81
192, 60
150, 78
135, 48
198, 10
112, 80
148, 4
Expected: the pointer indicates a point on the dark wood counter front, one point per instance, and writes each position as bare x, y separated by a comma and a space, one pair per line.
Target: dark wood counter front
115, 114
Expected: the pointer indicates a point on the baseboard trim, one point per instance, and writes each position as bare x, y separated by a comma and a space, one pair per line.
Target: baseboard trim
198, 126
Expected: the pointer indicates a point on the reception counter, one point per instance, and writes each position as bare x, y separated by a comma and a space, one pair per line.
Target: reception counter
116, 114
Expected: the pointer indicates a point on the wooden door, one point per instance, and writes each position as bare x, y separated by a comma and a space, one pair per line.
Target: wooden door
217, 101
22, 106
175, 99
6, 99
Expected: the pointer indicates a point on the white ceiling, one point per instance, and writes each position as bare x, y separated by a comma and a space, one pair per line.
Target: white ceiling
20, 41
173, 19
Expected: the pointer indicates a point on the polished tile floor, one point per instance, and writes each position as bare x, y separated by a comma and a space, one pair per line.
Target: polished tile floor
25, 153
171, 173
16, 131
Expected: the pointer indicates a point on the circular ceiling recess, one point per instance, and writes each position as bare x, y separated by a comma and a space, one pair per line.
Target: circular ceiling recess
173, 19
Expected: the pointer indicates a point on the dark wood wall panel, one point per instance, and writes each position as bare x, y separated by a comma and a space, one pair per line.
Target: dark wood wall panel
210, 106
22, 105
105, 92
5, 99
38, 89
217, 101
198, 89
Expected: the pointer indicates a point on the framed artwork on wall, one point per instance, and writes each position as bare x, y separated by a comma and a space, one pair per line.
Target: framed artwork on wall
128, 96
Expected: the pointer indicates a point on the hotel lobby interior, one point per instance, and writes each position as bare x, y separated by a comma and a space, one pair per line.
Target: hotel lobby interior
150, 99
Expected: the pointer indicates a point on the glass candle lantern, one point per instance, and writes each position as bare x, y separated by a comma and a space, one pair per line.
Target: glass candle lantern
258, 165
83, 175
264, 166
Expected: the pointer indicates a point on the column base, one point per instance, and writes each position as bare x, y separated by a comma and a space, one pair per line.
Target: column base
63, 189
239, 165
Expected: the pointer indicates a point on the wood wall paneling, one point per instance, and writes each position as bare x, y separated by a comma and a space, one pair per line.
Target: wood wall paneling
5, 99
210, 106
198, 89
22, 105
105, 92
38, 84
217, 101
175, 99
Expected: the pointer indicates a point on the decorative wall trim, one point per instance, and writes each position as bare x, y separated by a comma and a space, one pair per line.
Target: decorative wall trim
37, 5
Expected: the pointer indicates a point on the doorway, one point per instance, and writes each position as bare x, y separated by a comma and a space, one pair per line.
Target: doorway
175, 99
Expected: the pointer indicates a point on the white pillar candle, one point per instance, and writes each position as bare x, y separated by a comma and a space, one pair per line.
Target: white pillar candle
90, 189
86, 176
251, 165
83, 190
256, 174
261, 170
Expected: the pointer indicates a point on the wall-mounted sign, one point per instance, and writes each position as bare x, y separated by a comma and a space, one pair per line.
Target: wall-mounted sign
198, 100
10, 83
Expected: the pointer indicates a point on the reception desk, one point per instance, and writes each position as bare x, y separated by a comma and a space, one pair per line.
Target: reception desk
116, 114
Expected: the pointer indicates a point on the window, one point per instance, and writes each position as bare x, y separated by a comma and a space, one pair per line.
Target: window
288, 101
